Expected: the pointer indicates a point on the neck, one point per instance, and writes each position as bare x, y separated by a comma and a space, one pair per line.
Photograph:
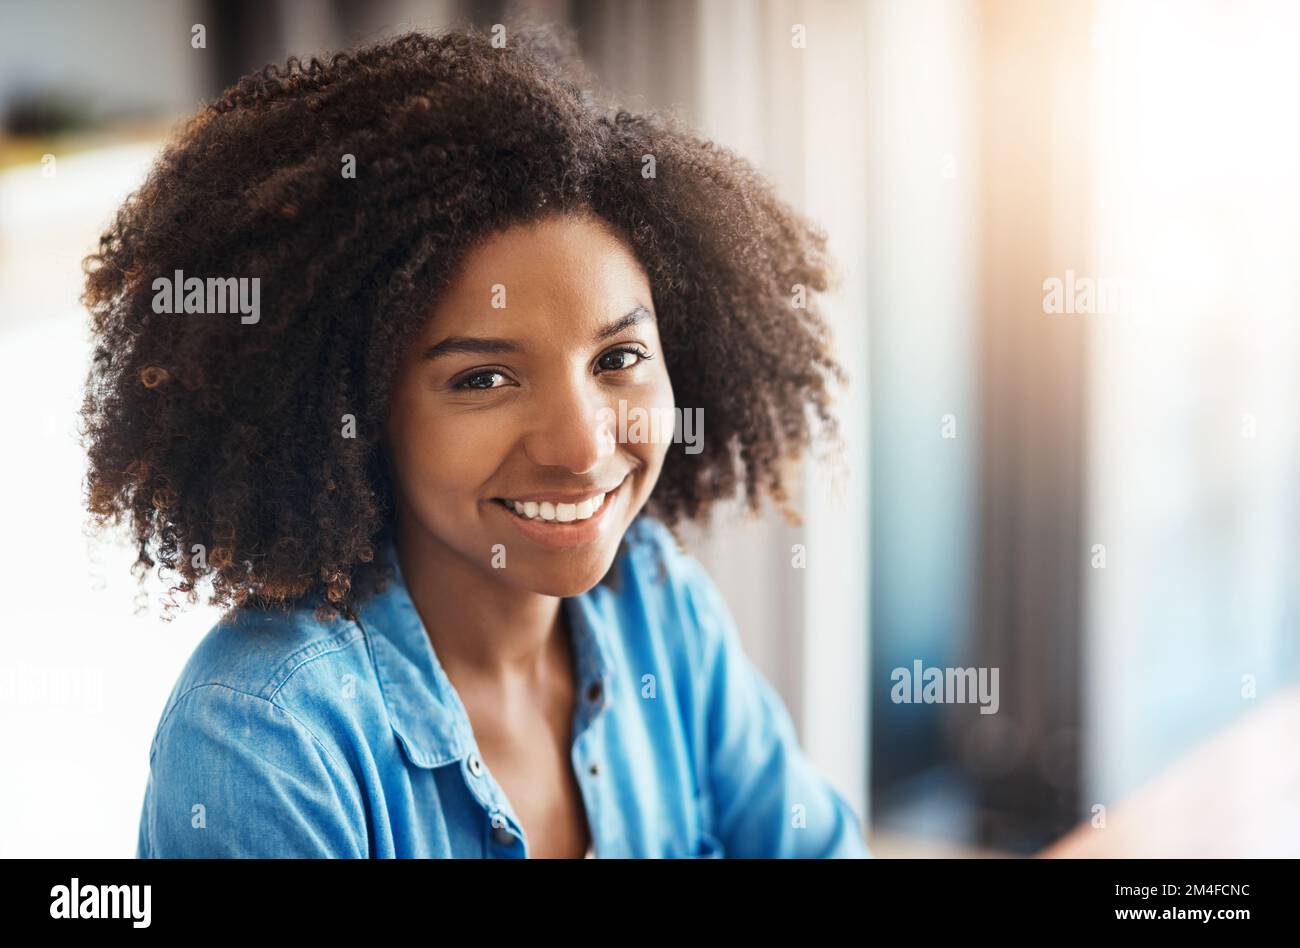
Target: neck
479, 625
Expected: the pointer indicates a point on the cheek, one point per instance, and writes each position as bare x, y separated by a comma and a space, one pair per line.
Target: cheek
656, 399
662, 388
441, 457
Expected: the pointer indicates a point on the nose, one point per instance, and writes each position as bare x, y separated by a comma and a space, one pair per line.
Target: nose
572, 428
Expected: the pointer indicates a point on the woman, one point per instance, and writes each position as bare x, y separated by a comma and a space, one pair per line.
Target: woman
457, 622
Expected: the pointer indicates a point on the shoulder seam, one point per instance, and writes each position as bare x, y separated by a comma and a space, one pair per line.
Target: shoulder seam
293, 717
284, 668
327, 647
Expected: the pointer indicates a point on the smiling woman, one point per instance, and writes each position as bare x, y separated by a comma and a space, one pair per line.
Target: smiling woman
466, 630
538, 431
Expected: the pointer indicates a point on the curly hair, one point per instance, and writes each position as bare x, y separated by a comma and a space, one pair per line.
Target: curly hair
202, 430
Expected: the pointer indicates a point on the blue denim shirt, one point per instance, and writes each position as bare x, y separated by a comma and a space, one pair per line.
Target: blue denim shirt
288, 736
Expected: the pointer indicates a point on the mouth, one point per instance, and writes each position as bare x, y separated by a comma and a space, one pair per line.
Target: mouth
561, 524
549, 512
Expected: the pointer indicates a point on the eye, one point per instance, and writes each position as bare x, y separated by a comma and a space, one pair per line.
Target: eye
616, 360
481, 379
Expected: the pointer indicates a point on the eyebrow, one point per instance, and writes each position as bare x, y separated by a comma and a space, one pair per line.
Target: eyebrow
481, 346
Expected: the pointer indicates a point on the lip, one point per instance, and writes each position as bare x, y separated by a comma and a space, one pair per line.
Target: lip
564, 536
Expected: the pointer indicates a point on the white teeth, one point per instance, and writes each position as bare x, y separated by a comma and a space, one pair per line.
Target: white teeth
560, 513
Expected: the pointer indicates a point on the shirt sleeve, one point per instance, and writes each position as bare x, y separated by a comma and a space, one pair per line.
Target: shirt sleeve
768, 799
235, 775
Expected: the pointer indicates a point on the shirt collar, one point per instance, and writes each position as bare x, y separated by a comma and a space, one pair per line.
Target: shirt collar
427, 716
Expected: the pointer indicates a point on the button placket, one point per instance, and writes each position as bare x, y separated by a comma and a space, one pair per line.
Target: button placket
480, 782
501, 830
492, 800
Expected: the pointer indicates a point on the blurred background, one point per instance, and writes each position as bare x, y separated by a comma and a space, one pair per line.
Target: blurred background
1069, 238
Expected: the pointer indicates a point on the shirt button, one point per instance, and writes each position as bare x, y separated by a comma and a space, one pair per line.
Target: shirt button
595, 770
593, 693
475, 765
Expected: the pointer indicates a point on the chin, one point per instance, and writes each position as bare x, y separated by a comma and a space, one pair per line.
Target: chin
564, 580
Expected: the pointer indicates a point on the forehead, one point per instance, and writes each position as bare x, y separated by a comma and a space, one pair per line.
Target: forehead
569, 266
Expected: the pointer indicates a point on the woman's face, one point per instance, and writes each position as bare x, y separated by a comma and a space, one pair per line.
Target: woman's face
512, 395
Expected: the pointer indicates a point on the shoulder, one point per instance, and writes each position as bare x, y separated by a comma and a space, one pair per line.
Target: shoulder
251, 754
277, 666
